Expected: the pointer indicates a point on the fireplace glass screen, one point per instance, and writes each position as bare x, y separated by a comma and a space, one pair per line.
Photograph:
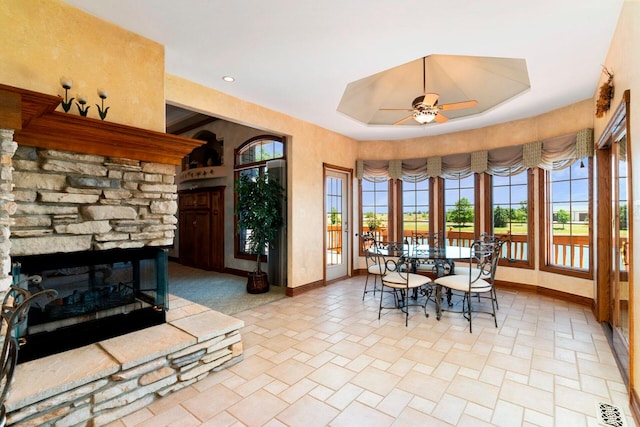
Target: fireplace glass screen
99, 295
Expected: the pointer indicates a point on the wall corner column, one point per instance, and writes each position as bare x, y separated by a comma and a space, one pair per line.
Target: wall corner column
8, 148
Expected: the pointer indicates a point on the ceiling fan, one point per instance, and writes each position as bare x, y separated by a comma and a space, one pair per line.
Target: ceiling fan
425, 108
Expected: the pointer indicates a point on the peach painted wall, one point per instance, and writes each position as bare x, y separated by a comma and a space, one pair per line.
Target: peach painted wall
43, 40
308, 147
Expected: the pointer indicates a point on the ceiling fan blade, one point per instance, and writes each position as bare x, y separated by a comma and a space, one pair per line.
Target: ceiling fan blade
399, 122
458, 105
430, 99
395, 109
440, 118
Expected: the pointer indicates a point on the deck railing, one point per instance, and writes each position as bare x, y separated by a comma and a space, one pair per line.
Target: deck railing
334, 238
570, 251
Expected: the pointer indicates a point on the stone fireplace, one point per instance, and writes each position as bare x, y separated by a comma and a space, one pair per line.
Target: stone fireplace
84, 213
93, 201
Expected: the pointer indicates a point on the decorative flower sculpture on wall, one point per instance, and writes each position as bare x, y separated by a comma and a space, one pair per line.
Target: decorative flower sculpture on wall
606, 94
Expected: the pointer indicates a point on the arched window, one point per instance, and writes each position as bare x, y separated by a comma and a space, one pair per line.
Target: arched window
251, 159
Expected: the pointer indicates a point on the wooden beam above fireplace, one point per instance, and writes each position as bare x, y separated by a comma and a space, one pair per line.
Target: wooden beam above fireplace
42, 126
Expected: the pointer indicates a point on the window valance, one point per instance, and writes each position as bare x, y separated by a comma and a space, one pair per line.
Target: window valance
552, 153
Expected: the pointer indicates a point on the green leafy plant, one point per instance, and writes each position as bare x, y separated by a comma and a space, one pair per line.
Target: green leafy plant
334, 216
562, 217
500, 217
373, 222
462, 212
259, 211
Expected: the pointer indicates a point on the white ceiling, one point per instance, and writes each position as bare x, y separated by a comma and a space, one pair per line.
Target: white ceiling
298, 56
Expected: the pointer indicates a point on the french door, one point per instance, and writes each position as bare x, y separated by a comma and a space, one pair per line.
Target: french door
620, 249
615, 243
336, 219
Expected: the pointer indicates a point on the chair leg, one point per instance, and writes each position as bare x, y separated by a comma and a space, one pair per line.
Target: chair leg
375, 284
495, 297
381, 295
366, 282
469, 311
494, 305
406, 307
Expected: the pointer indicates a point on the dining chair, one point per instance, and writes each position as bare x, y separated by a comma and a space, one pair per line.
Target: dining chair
478, 279
401, 282
375, 262
496, 243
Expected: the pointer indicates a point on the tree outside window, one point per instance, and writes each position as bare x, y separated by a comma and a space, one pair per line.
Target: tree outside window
510, 213
459, 211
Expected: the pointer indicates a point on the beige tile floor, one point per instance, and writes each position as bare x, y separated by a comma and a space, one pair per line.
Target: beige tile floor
324, 359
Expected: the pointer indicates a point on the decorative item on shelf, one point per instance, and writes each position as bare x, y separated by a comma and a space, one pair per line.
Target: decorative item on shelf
605, 96
83, 108
66, 85
102, 93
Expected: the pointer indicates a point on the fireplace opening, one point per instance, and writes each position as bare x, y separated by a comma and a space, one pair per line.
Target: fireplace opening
99, 295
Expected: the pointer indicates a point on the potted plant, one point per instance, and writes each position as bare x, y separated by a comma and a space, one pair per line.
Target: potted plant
258, 211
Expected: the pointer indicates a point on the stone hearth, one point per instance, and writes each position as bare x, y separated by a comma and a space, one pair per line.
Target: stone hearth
102, 382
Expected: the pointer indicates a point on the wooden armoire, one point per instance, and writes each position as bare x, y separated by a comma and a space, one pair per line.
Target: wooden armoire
201, 228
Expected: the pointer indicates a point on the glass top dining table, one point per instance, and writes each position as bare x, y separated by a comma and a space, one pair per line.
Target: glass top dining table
422, 251
436, 252
438, 260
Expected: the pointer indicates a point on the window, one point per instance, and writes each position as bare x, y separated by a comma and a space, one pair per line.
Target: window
251, 159
374, 196
511, 212
567, 217
259, 149
460, 211
416, 207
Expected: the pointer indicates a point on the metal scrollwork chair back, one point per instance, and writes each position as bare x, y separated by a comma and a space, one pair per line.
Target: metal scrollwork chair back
494, 244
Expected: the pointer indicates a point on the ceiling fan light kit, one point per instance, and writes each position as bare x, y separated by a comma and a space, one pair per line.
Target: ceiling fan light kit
424, 116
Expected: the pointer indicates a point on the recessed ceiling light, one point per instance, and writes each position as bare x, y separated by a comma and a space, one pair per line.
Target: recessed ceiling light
228, 79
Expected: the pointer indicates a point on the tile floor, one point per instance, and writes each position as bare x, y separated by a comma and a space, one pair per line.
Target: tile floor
324, 359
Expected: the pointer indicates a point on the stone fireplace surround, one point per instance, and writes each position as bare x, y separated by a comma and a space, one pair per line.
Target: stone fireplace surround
68, 184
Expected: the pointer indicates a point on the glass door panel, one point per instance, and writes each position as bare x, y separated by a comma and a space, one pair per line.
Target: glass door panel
336, 237
619, 302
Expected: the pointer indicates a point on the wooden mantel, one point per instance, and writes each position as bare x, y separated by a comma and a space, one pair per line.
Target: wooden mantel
35, 122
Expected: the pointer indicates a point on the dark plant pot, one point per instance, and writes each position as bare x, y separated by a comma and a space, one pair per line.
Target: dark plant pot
257, 283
